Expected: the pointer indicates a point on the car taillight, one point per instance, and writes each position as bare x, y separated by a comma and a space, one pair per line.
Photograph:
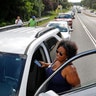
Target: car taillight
70, 21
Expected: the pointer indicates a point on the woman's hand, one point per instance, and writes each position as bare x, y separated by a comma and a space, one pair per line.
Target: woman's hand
43, 64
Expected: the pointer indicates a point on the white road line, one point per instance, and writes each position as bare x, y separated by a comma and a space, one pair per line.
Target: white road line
88, 33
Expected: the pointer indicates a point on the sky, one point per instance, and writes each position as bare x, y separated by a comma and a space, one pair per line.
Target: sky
74, 0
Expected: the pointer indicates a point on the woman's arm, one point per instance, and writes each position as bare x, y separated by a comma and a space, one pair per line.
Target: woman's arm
71, 75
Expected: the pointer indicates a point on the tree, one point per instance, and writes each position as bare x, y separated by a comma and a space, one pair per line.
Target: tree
10, 9
89, 3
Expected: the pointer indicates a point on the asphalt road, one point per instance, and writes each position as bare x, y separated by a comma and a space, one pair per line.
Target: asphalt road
85, 37
82, 24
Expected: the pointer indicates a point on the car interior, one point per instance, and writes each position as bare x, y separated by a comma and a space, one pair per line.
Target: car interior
36, 73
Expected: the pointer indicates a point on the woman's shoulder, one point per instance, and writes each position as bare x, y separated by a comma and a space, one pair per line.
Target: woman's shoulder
69, 67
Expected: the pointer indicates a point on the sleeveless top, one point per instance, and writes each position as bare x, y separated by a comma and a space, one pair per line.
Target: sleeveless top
57, 83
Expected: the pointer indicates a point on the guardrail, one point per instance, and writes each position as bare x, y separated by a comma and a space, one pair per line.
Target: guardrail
42, 19
87, 12
37, 20
24, 24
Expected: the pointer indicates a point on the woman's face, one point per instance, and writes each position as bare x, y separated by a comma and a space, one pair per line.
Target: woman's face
61, 54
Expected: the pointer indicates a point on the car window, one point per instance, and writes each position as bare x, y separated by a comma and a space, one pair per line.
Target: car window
65, 16
61, 27
86, 68
11, 71
51, 46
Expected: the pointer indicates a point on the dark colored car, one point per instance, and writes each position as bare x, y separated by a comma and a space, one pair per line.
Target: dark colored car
78, 10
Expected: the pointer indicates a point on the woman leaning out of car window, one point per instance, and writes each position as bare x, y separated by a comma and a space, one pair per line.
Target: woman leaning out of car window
66, 78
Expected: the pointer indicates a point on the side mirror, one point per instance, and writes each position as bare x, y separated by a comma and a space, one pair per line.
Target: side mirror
73, 17
70, 30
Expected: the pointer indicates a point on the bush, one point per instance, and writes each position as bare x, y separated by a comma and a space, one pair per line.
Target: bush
94, 6
3, 24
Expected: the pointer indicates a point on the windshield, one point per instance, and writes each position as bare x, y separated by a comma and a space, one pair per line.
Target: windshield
11, 70
65, 16
61, 27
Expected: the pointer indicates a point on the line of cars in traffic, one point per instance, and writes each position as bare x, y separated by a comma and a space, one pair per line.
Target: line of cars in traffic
64, 22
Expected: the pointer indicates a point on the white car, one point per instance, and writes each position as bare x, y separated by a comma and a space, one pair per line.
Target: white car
63, 27
19, 75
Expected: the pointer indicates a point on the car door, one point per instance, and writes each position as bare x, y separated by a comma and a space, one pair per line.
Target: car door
85, 64
44, 52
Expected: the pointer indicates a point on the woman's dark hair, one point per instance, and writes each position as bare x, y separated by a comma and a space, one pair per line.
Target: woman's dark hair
69, 46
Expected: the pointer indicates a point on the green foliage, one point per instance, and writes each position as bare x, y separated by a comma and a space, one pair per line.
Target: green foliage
89, 3
3, 24
52, 15
10, 9
28, 9
94, 6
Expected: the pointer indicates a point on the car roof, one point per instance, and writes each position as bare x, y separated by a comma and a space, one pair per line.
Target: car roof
60, 13
17, 40
69, 13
